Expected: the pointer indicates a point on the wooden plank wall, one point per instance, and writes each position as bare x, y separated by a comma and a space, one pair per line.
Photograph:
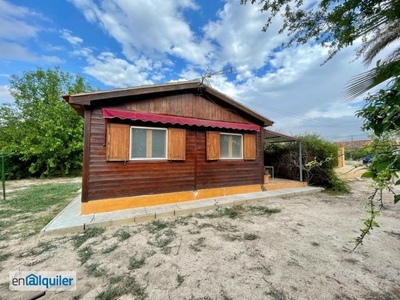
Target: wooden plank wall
108, 179
186, 105
223, 173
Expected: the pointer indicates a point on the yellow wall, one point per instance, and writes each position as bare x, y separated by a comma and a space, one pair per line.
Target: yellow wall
341, 157
105, 205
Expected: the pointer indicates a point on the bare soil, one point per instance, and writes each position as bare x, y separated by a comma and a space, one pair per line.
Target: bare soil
301, 252
15, 185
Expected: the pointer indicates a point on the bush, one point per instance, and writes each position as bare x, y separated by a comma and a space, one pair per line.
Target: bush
357, 154
319, 160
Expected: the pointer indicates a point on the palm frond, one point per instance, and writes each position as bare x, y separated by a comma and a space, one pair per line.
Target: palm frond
383, 38
365, 81
360, 84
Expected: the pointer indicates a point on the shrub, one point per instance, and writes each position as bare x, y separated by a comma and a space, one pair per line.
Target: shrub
319, 159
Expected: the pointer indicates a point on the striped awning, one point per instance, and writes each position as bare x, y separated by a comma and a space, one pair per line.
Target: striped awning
168, 119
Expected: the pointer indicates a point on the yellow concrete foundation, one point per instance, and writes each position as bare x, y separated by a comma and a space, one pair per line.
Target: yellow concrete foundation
105, 205
279, 184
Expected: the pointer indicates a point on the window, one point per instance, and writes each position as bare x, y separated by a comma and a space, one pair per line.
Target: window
148, 143
231, 145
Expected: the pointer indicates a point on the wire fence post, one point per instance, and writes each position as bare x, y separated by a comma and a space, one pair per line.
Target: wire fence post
3, 175
300, 162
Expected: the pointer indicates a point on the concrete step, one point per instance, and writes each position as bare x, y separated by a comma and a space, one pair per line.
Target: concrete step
71, 220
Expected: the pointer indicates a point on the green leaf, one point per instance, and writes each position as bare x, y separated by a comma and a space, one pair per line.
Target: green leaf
397, 182
368, 174
382, 166
396, 198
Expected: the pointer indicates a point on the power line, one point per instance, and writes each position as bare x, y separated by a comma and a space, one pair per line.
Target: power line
296, 115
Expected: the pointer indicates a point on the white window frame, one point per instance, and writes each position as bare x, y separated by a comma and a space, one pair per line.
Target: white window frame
241, 141
148, 158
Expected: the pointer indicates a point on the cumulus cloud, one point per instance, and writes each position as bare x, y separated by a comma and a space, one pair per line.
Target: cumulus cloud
14, 23
73, 40
154, 28
5, 95
19, 25
14, 51
117, 72
237, 32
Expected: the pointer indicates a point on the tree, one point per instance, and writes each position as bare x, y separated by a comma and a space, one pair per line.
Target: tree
43, 133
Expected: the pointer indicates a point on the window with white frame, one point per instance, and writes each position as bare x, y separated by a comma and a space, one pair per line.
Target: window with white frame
148, 143
231, 145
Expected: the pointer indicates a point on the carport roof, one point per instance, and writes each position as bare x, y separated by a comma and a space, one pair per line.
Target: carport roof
277, 137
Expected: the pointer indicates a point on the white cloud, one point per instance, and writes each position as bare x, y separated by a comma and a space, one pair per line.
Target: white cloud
13, 51
73, 40
156, 28
84, 51
5, 95
14, 26
117, 72
18, 25
240, 40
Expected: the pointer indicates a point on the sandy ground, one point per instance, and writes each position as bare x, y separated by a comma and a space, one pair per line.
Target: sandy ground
351, 170
14, 185
301, 252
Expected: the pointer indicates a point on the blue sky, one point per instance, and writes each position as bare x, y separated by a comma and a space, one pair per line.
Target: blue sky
119, 43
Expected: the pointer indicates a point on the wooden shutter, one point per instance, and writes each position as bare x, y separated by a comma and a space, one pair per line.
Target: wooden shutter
176, 144
117, 142
250, 147
213, 145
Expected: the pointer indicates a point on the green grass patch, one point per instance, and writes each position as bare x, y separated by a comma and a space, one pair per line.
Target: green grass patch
114, 279
5, 224
42, 247
262, 210
5, 256
198, 244
5, 213
95, 270
87, 234
136, 263
39, 198
85, 253
122, 235
250, 236
157, 225
27, 211
230, 212
233, 212
277, 292
163, 239
126, 285
180, 279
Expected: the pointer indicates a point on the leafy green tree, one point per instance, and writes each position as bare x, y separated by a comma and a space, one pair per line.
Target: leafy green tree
382, 115
43, 133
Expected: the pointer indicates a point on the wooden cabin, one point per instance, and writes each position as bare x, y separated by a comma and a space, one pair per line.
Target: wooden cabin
166, 143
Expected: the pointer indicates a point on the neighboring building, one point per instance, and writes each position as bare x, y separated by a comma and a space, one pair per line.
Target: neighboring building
358, 144
166, 143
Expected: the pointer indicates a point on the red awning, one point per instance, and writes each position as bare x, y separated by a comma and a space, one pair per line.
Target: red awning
164, 119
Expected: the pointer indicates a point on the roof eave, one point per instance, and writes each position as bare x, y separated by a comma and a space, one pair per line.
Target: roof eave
216, 93
86, 98
78, 101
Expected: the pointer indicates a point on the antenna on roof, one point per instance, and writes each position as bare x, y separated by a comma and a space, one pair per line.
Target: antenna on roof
208, 73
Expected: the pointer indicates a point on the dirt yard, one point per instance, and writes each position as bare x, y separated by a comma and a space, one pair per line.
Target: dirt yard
278, 249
